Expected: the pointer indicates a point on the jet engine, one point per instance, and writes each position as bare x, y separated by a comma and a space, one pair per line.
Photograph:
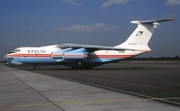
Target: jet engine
76, 55
60, 54
71, 54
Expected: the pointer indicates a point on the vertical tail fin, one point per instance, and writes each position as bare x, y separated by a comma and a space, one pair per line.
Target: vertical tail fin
139, 39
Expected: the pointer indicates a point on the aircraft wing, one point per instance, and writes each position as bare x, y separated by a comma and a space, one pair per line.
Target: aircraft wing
91, 48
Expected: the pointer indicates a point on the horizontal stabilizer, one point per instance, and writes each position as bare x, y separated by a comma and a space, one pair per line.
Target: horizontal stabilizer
152, 21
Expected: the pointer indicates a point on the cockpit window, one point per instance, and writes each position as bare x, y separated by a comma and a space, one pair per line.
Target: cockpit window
14, 51
17, 50
10, 52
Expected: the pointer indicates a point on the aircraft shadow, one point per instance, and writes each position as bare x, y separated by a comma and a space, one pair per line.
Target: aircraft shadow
30, 68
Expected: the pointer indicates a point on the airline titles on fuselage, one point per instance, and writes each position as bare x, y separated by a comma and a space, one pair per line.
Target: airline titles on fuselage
36, 51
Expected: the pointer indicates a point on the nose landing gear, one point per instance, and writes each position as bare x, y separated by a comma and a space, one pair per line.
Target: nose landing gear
36, 67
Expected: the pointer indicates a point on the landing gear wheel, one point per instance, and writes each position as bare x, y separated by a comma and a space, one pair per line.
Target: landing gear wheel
36, 68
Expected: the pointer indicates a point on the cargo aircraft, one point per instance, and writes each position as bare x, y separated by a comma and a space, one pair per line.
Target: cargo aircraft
80, 56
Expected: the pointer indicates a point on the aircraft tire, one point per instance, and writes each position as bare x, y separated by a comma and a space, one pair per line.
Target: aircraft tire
36, 67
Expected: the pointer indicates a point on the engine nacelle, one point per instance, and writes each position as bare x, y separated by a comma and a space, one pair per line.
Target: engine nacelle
77, 55
60, 54
71, 54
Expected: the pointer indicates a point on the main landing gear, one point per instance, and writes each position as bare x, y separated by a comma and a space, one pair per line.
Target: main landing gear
79, 66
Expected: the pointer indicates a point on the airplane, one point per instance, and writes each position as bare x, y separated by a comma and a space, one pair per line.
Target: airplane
81, 56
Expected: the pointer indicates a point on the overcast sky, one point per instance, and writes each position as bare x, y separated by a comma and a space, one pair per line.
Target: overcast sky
98, 22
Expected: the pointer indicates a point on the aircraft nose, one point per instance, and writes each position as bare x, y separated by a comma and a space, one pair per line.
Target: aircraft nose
5, 57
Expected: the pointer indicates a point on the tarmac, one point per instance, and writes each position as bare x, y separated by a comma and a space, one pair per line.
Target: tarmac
22, 90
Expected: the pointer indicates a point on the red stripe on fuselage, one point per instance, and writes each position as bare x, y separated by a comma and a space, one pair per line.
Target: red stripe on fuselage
110, 56
49, 55
29, 55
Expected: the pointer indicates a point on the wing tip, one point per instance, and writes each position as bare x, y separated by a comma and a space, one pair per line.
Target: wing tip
170, 18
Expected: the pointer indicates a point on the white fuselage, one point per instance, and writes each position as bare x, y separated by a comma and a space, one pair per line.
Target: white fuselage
45, 55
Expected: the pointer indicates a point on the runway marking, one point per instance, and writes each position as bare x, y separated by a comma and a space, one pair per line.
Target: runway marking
86, 102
